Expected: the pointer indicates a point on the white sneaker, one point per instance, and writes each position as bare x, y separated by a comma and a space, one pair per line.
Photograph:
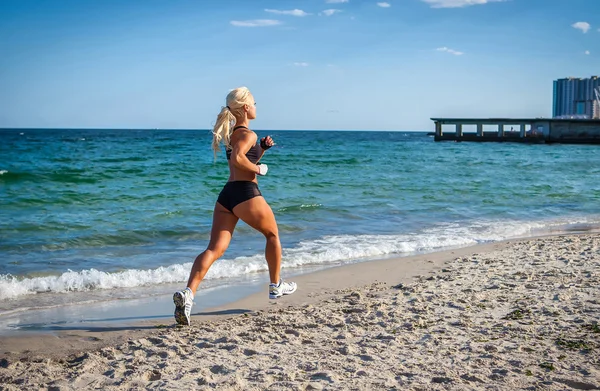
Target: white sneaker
283, 288
183, 306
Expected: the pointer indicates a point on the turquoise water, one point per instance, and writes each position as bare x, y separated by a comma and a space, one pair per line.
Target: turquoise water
97, 214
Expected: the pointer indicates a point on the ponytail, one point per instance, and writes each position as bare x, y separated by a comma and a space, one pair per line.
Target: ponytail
222, 130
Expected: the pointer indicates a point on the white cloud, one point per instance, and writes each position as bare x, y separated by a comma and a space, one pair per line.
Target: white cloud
583, 26
301, 64
457, 3
294, 12
330, 12
336, 1
587, 52
451, 51
384, 5
255, 23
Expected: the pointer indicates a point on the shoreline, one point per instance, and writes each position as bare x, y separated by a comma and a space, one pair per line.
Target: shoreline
92, 335
313, 287
50, 312
515, 313
355, 275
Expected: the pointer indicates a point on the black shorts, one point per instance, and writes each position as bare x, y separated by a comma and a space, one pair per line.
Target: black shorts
236, 192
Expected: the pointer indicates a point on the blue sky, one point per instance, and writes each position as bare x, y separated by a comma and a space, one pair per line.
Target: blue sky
311, 64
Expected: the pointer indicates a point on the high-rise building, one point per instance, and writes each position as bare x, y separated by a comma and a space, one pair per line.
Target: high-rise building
576, 98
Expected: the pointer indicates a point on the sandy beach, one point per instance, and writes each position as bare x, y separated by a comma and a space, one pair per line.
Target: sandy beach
520, 314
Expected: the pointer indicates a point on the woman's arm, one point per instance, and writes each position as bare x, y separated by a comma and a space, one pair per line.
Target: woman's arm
245, 141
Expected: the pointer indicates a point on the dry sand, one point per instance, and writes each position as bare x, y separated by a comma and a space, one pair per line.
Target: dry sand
514, 315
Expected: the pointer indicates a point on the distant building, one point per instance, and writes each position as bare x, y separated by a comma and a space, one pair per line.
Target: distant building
576, 98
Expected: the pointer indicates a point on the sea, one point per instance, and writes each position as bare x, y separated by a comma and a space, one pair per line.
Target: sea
102, 225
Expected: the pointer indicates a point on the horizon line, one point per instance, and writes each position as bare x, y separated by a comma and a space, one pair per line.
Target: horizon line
207, 129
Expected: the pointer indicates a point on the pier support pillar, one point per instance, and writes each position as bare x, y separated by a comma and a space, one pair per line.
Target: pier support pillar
459, 131
500, 130
438, 128
480, 130
523, 130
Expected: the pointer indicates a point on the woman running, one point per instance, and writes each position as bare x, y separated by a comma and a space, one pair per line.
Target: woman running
239, 199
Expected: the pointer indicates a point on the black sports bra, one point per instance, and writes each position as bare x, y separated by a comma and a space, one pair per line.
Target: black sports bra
253, 154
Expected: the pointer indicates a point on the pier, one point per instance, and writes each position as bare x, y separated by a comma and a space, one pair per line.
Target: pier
522, 130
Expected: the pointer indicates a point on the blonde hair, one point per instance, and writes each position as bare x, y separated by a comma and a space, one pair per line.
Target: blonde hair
235, 101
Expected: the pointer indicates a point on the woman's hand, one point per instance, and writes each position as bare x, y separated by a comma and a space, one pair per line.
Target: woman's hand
266, 143
262, 169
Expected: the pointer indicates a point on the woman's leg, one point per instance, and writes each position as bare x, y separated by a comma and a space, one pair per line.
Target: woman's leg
258, 214
220, 236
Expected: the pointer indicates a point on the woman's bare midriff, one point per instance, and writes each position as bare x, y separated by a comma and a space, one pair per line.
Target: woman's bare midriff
235, 174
